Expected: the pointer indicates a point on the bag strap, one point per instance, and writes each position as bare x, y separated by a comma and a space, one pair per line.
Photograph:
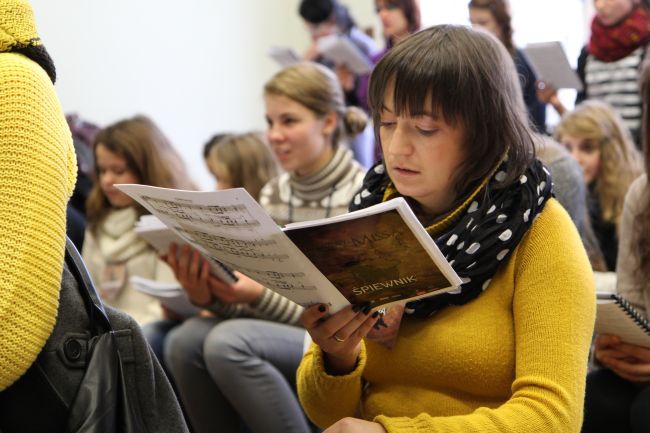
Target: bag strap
99, 320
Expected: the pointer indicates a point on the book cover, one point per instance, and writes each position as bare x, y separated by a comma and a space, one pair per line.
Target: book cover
372, 260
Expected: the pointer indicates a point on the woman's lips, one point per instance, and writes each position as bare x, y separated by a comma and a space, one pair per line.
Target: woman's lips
403, 171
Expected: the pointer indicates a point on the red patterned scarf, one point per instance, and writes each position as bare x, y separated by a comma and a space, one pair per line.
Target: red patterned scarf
611, 43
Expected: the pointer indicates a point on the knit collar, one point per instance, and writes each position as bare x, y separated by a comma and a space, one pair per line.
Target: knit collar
116, 237
338, 171
612, 43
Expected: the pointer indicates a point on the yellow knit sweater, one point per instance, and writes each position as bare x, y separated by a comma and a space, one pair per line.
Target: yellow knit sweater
37, 175
512, 360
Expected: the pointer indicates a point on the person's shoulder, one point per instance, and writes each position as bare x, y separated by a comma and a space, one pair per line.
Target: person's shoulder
633, 198
552, 230
18, 69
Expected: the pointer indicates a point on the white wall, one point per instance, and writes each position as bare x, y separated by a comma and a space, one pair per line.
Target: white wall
198, 67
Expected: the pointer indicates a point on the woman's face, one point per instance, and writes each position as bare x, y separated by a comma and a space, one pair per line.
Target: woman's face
480, 17
610, 12
421, 153
112, 169
300, 140
393, 20
587, 153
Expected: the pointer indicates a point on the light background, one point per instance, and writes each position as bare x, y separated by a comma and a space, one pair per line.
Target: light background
198, 67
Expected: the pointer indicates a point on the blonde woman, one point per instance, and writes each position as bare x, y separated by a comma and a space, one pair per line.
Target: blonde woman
130, 151
242, 371
596, 137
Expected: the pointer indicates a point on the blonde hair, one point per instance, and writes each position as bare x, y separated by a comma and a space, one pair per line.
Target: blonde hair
246, 159
620, 162
148, 154
318, 89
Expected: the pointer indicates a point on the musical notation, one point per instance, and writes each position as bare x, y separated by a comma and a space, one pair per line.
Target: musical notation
281, 280
234, 216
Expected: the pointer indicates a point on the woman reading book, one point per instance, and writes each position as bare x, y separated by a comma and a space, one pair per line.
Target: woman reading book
507, 352
618, 395
242, 370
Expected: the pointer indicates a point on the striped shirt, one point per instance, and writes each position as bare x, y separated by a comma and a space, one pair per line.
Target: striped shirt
617, 84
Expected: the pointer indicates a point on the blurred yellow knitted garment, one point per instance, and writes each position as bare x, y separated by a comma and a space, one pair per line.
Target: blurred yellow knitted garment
37, 175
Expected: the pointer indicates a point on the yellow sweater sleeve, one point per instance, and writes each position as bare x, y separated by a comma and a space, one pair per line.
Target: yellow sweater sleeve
325, 398
554, 313
37, 174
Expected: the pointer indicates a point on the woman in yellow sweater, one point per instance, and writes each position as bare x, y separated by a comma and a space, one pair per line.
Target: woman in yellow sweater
508, 351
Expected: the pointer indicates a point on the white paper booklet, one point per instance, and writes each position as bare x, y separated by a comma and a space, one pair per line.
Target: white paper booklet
168, 294
550, 63
340, 50
285, 56
159, 236
374, 256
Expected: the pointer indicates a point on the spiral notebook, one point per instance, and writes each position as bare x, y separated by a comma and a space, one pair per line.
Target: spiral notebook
616, 316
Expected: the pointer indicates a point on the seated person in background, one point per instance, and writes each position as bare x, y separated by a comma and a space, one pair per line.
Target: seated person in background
609, 64
130, 151
494, 16
241, 372
241, 161
596, 137
235, 161
618, 395
508, 351
329, 17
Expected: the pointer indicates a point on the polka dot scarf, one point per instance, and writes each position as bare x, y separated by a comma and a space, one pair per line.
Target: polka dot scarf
485, 234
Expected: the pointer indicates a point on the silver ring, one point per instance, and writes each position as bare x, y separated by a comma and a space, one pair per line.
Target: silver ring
337, 338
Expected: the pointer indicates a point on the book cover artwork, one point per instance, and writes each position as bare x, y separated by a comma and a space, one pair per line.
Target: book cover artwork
375, 259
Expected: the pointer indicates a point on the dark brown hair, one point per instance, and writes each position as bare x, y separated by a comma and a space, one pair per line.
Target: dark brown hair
147, 152
411, 11
501, 14
470, 80
642, 220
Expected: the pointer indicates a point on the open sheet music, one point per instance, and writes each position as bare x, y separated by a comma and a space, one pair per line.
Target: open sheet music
231, 227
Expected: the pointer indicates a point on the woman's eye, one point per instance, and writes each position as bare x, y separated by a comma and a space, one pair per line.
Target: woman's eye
386, 124
426, 132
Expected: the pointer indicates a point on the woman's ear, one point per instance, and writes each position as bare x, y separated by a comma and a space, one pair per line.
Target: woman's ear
329, 123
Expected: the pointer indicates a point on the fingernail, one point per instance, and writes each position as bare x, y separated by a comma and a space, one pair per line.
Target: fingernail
356, 308
367, 309
322, 308
375, 314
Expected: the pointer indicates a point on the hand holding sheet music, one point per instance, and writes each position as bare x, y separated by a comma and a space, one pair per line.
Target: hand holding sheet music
374, 256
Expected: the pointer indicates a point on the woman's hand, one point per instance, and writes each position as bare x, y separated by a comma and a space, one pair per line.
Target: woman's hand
548, 95
192, 272
355, 425
628, 361
245, 290
339, 335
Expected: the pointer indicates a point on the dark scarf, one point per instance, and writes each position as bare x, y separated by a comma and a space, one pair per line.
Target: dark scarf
611, 43
483, 235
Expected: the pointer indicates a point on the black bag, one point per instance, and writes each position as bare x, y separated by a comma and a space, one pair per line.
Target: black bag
96, 373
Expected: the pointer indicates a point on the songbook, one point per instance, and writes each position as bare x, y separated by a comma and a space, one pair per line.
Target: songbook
171, 295
616, 316
549, 62
159, 236
374, 256
284, 56
340, 50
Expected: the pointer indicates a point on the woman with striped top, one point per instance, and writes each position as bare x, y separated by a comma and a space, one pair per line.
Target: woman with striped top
609, 64
242, 371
